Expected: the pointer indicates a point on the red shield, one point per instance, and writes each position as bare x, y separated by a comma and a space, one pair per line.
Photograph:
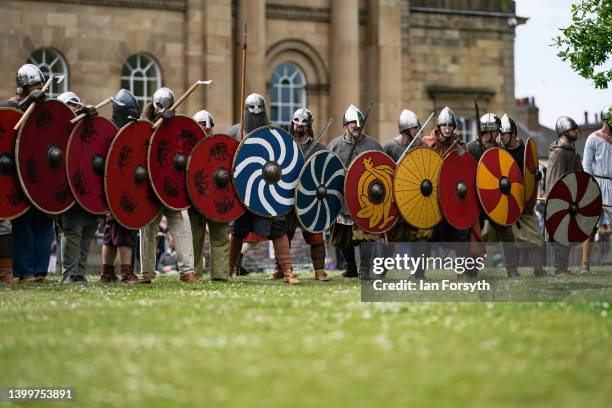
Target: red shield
530, 169
457, 190
85, 159
170, 148
500, 186
368, 191
209, 179
41, 157
129, 195
13, 202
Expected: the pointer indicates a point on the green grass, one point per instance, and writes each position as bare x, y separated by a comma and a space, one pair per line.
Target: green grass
254, 342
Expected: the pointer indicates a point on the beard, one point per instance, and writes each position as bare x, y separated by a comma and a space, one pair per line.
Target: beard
253, 121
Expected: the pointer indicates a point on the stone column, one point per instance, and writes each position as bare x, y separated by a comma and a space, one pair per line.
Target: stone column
194, 57
344, 60
254, 11
217, 43
383, 65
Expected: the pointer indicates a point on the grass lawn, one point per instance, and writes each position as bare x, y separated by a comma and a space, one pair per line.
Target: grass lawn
254, 342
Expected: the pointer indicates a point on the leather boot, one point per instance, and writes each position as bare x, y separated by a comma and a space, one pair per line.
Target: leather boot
537, 259
148, 277
128, 277
235, 246
240, 269
278, 272
365, 258
108, 274
6, 276
282, 254
189, 278
349, 263
321, 276
561, 259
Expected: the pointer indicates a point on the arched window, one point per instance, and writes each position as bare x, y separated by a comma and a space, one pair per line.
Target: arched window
51, 62
142, 76
288, 93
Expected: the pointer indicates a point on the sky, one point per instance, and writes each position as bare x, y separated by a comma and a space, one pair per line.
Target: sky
557, 89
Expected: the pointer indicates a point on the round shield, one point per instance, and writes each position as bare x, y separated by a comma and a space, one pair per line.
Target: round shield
266, 169
85, 160
318, 197
415, 187
209, 181
531, 175
573, 207
368, 192
457, 190
41, 157
500, 186
13, 202
128, 190
170, 148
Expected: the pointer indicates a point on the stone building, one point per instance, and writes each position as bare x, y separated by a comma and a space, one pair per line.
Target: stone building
322, 53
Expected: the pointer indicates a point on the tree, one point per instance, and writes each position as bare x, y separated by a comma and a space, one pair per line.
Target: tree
587, 42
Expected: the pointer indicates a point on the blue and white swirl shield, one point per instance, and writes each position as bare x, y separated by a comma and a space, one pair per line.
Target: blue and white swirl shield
265, 171
319, 197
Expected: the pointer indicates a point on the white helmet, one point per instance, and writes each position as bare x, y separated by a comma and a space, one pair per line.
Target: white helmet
70, 98
204, 116
163, 99
353, 114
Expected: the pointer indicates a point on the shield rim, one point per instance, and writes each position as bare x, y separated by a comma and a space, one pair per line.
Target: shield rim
25, 191
233, 187
438, 200
164, 204
478, 205
503, 151
106, 164
348, 169
546, 205
534, 197
296, 190
29, 205
234, 168
72, 135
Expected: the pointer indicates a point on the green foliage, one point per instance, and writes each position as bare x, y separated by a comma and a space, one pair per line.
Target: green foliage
258, 343
587, 42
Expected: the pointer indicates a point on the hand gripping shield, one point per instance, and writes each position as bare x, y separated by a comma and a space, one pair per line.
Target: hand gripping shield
368, 192
318, 197
41, 157
265, 171
209, 181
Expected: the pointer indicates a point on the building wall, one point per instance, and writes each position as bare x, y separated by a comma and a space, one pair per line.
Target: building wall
405, 53
452, 59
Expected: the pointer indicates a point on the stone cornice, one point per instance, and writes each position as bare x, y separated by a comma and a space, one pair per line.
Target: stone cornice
176, 5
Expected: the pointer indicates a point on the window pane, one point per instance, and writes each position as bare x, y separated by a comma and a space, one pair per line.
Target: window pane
146, 75
287, 93
49, 61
